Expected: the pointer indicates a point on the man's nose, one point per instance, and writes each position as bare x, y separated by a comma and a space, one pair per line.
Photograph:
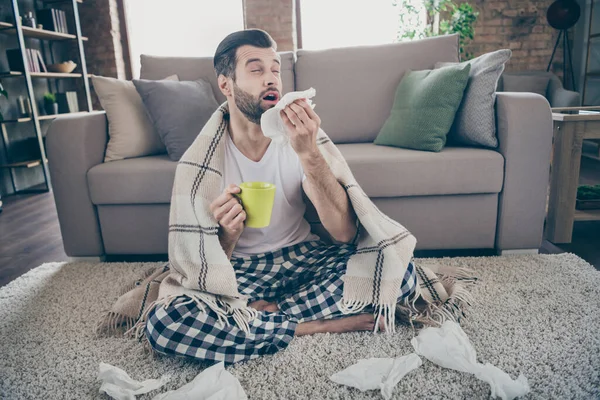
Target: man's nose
271, 79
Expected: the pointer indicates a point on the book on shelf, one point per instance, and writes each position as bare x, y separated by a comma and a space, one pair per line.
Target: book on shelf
32, 61
48, 18
63, 21
74, 101
41, 62
53, 19
56, 19
67, 102
35, 61
15, 60
29, 60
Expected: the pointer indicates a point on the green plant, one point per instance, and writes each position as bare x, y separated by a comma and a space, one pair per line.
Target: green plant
588, 192
4, 93
442, 17
49, 98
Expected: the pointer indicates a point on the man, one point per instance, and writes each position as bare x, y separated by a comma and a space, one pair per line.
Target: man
292, 277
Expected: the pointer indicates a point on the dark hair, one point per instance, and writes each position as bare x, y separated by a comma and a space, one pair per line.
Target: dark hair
225, 58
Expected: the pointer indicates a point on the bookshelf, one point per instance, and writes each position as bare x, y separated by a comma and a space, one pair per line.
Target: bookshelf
48, 37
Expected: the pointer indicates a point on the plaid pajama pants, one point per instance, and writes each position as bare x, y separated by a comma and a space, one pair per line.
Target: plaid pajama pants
305, 280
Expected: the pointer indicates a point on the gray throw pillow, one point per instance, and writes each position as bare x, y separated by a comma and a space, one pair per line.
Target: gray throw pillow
178, 110
526, 83
475, 121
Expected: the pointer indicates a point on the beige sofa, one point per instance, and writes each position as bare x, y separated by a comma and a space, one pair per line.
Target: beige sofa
459, 198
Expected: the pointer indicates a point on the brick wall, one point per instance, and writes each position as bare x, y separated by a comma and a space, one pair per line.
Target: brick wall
520, 26
277, 17
100, 23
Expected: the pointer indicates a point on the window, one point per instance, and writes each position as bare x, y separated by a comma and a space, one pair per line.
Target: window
342, 23
180, 28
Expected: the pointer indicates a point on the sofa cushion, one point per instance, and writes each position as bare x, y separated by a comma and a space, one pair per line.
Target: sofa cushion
381, 172
144, 180
475, 122
395, 172
194, 68
356, 85
424, 108
178, 110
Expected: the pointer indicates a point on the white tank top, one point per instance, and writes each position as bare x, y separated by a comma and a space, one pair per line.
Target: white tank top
281, 166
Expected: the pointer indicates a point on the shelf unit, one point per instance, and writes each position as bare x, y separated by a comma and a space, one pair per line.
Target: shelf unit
41, 118
35, 33
22, 32
47, 75
587, 215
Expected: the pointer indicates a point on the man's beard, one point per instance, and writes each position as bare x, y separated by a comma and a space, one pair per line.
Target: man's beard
248, 104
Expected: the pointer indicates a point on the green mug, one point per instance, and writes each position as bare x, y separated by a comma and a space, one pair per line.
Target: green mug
257, 200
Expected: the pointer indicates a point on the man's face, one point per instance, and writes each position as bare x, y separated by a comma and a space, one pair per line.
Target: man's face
257, 86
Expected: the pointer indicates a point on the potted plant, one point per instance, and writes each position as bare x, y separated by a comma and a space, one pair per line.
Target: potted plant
50, 104
588, 197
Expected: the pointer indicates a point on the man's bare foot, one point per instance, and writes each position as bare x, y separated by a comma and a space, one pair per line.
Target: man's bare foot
263, 305
354, 323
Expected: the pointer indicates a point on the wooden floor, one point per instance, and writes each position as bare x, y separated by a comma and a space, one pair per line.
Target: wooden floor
30, 235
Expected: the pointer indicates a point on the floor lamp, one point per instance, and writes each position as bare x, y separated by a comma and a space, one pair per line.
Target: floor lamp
562, 15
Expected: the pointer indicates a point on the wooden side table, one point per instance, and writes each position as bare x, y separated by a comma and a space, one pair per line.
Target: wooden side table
570, 128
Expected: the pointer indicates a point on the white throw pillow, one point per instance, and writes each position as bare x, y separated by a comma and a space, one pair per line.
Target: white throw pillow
130, 130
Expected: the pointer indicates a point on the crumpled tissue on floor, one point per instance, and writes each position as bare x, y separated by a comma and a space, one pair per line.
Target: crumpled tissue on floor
214, 383
447, 346
377, 373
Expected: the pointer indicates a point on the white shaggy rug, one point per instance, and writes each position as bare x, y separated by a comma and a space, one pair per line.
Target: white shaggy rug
535, 315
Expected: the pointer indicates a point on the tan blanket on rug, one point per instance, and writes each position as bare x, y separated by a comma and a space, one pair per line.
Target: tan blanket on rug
199, 268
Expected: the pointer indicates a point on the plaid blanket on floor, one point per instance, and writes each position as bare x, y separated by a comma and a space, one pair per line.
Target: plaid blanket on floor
200, 269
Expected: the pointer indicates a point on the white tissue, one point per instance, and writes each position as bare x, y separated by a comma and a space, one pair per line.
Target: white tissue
118, 385
378, 373
449, 347
214, 383
271, 122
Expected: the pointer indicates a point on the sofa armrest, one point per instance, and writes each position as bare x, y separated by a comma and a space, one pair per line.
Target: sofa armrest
74, 144
561, 97
525, 140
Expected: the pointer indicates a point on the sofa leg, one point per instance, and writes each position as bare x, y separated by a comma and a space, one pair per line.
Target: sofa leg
88, 259
517, 252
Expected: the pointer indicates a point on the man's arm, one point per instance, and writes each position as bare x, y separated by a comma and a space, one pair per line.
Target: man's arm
227, 244
321, 186
329, 198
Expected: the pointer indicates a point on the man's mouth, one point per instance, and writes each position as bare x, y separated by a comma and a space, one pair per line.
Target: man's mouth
271, 97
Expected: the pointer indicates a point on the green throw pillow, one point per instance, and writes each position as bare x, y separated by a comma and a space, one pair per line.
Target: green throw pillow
424, 108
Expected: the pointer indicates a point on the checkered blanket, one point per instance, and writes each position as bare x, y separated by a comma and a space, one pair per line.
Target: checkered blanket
200, 269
